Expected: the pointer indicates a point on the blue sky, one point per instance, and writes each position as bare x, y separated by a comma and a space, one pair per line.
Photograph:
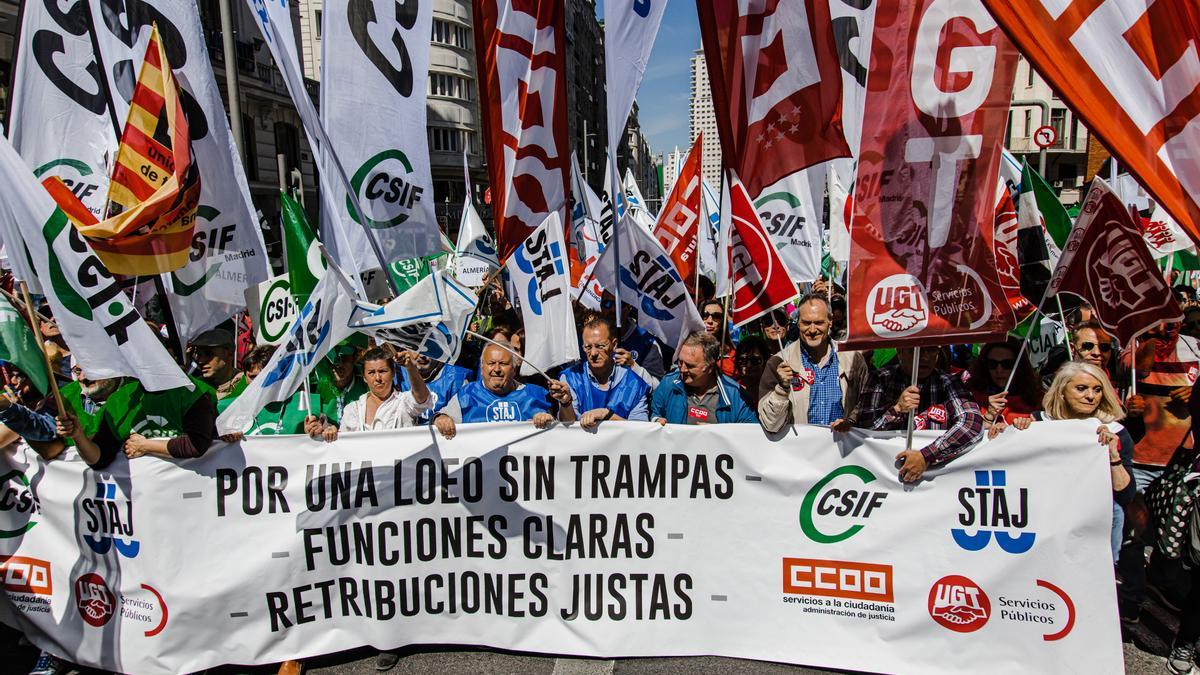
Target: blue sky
667, 86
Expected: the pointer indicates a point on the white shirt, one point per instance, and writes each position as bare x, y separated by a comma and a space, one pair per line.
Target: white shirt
399, 410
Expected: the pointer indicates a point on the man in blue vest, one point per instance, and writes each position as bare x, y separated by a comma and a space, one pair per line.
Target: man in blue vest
497, 397
600, 388
444, 380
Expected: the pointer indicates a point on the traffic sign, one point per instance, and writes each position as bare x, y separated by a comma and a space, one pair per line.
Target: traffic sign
1045, 137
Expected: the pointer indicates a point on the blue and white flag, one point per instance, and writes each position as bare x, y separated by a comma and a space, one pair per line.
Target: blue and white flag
430, 318
473, 238
538, 272
637, 203
320, 324
630, 28
586, 208
650, 283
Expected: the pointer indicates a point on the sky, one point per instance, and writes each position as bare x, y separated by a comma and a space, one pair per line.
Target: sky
667, 87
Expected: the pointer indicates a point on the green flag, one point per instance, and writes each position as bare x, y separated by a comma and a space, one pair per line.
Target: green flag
406, 273
19, 347
304, 262
1054, 216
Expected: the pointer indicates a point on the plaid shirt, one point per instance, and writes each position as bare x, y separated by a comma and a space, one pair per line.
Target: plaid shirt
825, 399
963, 419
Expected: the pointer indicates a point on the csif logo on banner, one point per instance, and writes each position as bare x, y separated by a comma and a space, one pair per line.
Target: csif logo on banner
652, 279
841, 502
779, 213
19, 505
76, 175
309, 333
385, 190
995, 510
108, 522
542, 260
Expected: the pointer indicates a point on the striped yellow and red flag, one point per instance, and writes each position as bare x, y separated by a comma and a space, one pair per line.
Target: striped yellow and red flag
155, 186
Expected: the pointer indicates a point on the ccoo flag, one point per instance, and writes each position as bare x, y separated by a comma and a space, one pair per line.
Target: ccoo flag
107, 336
155, 186
679, 222
651, 284
537, 270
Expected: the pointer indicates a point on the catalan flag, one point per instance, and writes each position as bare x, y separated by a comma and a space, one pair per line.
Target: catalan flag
155, 184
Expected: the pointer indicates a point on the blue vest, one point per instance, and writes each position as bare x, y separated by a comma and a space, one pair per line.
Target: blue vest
479, 404
626, 390
449, 380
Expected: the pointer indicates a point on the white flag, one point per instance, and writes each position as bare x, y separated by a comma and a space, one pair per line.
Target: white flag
1163, 235
724, 273
320, 324
637, 203
839, 216
651, 284
405, 320
630, 28
791, 211
375, 72
711, 207
537, 270
585, 237
445, 340
107, 336
473, 238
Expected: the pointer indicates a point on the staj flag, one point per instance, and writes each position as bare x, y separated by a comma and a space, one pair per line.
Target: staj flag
922, 268
1131, 70
776, 85
520, 46
1106, 262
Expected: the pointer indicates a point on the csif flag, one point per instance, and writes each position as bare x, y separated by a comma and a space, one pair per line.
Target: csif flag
1106, 263
537, 271
679, 222
106, 335
651, 284
776, 85
155, 184
760, 280
19, 347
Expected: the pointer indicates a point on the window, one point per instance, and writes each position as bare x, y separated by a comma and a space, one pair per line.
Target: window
1028, 122
1058, 120
451, 35
442, 139
1028, 74
287, 143
250, 145
450, 86
317, 23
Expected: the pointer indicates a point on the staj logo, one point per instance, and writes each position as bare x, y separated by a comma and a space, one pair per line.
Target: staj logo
108, 521
959, 604
994, 510
832, 499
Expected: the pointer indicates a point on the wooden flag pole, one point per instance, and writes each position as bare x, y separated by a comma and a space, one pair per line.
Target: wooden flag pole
37, 336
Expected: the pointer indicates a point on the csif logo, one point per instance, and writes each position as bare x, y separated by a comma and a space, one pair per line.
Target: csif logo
839, 500
18, 505
385, 190
897, 306
779, 213
992, 508
959, 604
108, 522
541, 260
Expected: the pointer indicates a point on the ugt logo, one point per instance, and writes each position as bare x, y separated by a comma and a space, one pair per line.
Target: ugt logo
109, 522
541, 260
992, 508
897, 307
844, 502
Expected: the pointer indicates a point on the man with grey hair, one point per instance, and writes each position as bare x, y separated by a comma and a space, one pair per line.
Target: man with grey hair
697, 392
811, 381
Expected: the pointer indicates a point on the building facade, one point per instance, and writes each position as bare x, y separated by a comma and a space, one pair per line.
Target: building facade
1067, 157
704, 121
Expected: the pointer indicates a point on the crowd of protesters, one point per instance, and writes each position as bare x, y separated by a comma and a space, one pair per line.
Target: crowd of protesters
783, 369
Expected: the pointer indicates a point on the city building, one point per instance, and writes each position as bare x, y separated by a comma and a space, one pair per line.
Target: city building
704, 120
671, 165
587, 113
1036, 105
634, 154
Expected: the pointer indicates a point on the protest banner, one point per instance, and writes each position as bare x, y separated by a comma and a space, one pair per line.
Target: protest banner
636, 540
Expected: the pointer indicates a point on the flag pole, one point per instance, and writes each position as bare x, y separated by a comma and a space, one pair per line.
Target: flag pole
1133, 369
37, 336
912, 414
1062, 317
1021, 352
510, 350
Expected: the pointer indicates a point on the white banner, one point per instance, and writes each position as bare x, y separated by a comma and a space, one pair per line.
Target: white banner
538, 272
635, 540
375, 73
791, 211
106, 335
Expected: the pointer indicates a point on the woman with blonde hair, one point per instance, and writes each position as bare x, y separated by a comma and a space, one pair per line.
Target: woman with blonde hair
1081, 391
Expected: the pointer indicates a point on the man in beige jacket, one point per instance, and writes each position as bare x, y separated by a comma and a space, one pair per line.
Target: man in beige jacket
811, 381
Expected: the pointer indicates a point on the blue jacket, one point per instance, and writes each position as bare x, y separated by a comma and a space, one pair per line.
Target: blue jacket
670, 402
446, 384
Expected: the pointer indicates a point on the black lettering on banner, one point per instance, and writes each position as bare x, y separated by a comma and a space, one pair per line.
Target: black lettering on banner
845, 29
360, 14
255, 491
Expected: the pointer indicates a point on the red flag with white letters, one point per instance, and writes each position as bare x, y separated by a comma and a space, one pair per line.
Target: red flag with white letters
521, 52
760, 279
677, 227
776, 85
1131, 70
922, 268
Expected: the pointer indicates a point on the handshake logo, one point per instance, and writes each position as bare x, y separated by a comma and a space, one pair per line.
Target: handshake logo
897, 307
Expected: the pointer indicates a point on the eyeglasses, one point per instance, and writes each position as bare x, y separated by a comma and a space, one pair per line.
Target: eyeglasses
598, 347
712, 315
1006, 364
1089, 346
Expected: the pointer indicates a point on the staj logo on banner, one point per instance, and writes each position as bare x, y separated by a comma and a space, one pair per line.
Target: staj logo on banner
108, 522
832, 502
994, 510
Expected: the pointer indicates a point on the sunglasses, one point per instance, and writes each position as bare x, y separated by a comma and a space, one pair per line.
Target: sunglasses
751, 360
1006, 364
1089, 346
712, 315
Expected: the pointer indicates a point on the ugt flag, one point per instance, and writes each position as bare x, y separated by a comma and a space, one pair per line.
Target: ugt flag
1106, 264
107, 336
760, 279
776, 85
537, 269
650, 283
319, 325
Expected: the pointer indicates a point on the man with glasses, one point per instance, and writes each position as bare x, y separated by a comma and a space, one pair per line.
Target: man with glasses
212, 351
600, 389
811, 381
697, 392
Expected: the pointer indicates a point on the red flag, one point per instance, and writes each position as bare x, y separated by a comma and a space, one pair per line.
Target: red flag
760, 279
1106, 263
676, 228
922, 270
776, 85
522, 89
1008, 262
1131, 71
